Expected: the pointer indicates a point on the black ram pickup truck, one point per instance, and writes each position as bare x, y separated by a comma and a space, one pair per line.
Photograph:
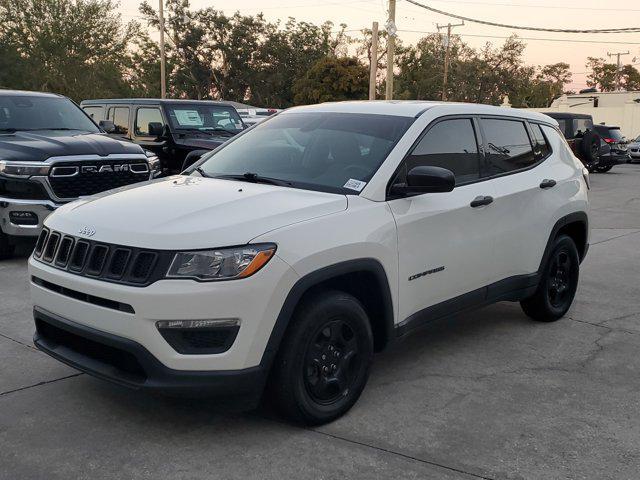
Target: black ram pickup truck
51, 153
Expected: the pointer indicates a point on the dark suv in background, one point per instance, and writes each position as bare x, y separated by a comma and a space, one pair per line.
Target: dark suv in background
51, 153
618, 148
178, 131
592, 144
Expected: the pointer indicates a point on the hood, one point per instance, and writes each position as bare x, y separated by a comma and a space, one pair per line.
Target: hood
38, 146
183, 212
200, 142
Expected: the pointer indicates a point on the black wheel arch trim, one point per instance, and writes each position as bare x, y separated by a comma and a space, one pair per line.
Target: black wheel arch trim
304, 284
575, 217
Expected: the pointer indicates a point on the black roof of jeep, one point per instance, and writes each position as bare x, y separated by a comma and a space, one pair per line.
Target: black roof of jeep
566, 115
152, 101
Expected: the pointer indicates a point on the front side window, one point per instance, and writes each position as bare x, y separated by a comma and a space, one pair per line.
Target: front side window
334, 152
120, 118
508, 146
30, 112
450, 144
145, 116
204, 118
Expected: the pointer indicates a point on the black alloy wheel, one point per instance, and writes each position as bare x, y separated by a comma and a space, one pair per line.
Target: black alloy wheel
558, 283
323, 363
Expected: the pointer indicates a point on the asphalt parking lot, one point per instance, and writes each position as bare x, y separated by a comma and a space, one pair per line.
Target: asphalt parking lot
487, 395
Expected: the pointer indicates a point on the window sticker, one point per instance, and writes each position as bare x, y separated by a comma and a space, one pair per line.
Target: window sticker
189, 117
356, 185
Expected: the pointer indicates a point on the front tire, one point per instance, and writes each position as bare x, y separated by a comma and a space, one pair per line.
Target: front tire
323, 363
558, 285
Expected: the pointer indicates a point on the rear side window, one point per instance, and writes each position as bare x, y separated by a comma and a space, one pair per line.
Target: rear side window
508, 146
542, 145
449, 144
120, 118
581, 125
95, 113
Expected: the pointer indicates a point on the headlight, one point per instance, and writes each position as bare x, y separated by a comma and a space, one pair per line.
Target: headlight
221, 264
153, 160
22, 169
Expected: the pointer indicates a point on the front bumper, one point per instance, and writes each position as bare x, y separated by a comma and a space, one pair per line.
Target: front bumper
256, 301
127, 363
40, 208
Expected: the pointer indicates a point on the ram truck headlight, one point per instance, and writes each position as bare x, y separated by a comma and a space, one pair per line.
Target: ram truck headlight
154, 162
222, 263
22, 169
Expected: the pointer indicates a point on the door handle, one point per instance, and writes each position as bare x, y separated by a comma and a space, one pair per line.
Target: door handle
481, 201
547, 183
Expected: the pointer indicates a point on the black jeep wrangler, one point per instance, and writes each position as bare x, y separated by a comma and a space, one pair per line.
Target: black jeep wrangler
586, 142
51, 153
178, 131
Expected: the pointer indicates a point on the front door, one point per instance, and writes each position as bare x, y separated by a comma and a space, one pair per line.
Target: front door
445, 240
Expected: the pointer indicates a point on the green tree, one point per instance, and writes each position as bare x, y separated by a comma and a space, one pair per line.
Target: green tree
333, 79
75, 47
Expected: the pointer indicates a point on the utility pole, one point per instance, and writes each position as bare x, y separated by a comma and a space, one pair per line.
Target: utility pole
391, 47
447, 55
163, 78
618, 66
374, 61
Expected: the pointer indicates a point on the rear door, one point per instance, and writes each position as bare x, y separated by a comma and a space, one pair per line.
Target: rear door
445, 246
518, 165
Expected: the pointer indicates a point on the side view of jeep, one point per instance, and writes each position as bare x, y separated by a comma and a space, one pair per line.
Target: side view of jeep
51, 153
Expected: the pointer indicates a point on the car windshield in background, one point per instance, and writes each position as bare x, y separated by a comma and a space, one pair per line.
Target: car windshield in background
334, 152
25, 113
204, 118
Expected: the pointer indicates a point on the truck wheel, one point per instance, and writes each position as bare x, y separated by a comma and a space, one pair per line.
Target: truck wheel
324, 360
558, 284
6, 248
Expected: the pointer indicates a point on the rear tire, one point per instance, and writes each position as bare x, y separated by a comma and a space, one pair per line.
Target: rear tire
323, 363
558, 285
6, 247
603, 169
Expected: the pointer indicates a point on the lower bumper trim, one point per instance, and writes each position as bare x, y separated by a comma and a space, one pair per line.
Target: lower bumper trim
127, 363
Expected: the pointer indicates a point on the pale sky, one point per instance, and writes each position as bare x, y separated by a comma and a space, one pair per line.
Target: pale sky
569, 14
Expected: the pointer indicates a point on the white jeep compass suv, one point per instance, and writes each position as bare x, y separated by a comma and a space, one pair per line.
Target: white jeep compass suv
286, 257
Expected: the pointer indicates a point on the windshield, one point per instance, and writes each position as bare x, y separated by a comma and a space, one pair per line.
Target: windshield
205, 118
335, 152
23, 112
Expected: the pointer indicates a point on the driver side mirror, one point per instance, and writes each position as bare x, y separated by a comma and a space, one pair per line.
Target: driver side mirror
155, 129
107, 125
426, 179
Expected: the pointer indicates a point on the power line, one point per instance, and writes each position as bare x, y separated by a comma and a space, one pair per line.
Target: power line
516, 27
530, 38
525, 5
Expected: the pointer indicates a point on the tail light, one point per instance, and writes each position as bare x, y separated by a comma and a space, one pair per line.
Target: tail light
609, 140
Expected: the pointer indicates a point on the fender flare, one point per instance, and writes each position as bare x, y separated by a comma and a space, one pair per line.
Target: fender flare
304, 284
575, 217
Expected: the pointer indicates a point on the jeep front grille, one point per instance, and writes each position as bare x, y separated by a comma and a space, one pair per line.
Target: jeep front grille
76, 179
111, 263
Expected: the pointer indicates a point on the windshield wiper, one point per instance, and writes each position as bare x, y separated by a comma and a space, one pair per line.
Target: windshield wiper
202, 172
255, 178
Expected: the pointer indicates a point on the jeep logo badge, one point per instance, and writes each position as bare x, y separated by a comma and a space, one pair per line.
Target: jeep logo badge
87, 231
